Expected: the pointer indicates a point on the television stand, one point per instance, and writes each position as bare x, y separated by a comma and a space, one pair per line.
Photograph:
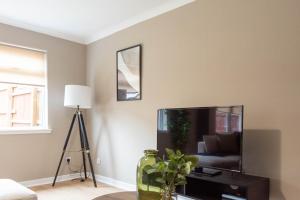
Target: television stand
234, 184
207, 172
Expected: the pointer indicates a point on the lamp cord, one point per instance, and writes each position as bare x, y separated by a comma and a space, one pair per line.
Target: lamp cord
80, 170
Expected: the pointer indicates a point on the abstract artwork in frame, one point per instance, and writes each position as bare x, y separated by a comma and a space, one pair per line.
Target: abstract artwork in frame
129, 73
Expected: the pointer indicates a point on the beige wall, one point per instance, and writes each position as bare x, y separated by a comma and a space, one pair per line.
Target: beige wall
206, 53
27, 157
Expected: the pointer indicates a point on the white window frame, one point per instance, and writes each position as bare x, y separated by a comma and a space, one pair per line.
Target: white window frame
163, 121
32, 130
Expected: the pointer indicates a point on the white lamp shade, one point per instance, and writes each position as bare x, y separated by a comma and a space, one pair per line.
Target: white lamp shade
78, 95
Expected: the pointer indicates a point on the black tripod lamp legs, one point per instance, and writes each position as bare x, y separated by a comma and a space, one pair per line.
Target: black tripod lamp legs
92, 169
84, 147
82, 143
64, 149
56, 174
87, 146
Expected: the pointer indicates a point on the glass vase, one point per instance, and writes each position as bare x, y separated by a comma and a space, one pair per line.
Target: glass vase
147, 187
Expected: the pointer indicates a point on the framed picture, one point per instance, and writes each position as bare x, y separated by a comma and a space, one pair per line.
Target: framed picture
129, 63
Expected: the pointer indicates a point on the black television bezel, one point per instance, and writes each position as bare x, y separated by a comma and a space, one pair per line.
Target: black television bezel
206, 107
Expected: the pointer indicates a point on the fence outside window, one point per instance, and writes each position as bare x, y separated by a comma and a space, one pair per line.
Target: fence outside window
22, 87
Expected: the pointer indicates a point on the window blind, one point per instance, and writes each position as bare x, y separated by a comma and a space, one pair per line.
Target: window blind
22, 66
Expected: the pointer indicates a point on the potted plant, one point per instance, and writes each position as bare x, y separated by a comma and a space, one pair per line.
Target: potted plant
179, 125
172, 172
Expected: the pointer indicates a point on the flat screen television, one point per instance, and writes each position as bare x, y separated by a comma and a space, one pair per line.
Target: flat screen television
213, 134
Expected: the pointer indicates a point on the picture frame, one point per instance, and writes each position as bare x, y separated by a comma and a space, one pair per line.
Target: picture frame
129, 70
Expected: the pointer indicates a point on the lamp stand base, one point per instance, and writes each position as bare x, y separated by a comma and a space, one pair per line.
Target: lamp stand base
85, 148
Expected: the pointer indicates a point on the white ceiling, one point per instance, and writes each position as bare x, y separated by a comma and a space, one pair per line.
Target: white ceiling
82, 21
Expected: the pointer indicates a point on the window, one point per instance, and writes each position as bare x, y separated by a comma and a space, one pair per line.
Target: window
162, 120
228, 121
23, 91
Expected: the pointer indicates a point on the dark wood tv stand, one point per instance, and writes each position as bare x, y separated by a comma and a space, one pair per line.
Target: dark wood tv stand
205, 187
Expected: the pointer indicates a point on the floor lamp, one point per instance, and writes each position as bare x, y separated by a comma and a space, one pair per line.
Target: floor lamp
78, 97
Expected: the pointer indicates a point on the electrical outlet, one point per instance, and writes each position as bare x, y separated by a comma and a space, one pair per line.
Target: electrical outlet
68, 159
98, 161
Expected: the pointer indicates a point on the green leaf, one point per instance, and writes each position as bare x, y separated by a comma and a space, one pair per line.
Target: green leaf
187, 168
180, 176
160, 180
172, 172
183, 182
151, 171
193, 159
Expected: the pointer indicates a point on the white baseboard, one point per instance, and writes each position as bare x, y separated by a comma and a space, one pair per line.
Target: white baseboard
49, 180
103, 179
116, 183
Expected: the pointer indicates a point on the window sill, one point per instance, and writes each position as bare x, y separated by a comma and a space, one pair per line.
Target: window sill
24, 131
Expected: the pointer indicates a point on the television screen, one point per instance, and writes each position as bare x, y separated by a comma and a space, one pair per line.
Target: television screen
213, 134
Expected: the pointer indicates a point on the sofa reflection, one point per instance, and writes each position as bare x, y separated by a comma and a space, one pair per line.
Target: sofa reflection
220, 151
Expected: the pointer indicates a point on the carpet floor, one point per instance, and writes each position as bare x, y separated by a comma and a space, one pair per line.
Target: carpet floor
73, 190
